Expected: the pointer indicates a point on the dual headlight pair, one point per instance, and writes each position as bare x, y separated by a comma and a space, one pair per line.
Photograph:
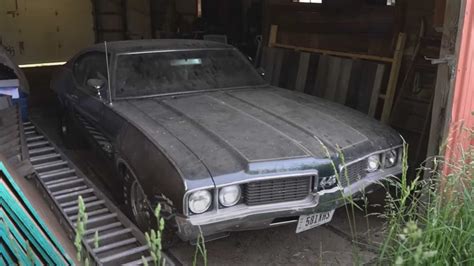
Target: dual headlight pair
200, 201
389, 159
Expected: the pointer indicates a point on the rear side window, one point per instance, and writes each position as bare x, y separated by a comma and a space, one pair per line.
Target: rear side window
90, 66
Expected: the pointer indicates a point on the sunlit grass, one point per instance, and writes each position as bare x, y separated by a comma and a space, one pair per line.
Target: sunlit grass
431, 222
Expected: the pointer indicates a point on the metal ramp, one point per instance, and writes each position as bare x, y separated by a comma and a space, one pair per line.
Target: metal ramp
121, 242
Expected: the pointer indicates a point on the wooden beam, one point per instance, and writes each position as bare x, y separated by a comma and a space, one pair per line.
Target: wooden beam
445, 77
393, 79
335, 53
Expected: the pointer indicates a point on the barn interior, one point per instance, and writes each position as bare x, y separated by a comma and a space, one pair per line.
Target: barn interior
392, 60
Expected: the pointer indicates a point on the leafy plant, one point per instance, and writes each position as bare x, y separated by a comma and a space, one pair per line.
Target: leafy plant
80, 232
80, 228
154, 238
96, 239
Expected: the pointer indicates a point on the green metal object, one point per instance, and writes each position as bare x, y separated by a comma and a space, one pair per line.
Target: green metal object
24, 238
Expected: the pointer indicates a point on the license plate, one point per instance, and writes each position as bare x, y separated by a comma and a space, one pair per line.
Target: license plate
307, 222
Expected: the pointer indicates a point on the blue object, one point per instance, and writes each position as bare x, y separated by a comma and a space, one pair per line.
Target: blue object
22, 101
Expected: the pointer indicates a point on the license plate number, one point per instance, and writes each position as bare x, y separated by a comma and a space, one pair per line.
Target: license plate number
307, 222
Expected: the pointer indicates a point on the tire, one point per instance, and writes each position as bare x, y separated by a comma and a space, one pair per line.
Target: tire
141, 211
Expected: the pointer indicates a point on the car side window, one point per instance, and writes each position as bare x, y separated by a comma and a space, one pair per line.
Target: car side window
90, 66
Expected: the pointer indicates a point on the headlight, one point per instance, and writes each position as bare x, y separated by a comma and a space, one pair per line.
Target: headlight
390, 158
373, 163
229, 196
200, 201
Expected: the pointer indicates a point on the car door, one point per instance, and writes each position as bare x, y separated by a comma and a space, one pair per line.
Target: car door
89, 100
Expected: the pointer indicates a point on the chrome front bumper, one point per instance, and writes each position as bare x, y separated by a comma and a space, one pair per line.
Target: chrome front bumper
242, 217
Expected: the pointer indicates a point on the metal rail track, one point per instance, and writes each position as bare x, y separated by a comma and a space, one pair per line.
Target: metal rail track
120, 241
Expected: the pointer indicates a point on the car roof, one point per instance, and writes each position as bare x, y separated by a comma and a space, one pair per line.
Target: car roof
158, 44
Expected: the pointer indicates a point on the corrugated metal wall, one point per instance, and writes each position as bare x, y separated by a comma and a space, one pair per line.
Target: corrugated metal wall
462, 116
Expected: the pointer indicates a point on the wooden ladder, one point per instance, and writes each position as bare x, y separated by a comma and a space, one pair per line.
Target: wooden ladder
412, 108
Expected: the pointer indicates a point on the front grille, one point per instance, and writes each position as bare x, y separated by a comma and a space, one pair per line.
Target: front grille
355, 172
277, 190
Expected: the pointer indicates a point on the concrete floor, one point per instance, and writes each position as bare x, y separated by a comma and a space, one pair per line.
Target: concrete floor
341, 242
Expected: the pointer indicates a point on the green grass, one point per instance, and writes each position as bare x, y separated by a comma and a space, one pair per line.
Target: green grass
431, 222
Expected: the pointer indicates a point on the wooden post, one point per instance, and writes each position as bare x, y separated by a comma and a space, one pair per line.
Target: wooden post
445, 77
273, 35
393, 80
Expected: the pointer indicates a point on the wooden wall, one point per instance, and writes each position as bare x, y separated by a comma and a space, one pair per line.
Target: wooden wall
349, 25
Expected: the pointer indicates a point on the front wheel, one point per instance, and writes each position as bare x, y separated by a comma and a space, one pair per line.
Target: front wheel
140, 208
142, 211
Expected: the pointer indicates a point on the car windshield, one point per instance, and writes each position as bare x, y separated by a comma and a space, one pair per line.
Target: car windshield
154, 73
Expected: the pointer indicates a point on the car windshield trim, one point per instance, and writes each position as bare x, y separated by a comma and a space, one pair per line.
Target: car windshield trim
174, 50
189, 92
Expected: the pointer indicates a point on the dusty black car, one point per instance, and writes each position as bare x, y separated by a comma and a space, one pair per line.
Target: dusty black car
191, 125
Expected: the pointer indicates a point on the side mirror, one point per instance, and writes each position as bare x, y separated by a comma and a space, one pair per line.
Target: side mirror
261, 71
96, 83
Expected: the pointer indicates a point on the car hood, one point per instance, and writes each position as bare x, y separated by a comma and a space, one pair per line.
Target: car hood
259, 130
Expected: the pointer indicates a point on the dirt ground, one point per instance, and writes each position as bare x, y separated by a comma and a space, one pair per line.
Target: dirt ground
338, 243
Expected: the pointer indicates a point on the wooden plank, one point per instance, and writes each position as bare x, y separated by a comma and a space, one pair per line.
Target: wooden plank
289, 69
278, 57
366, 87
269, 61
336, 53
273, 35
343, 81
361, 83
393, 79
302, 71
439, 9
311, 75
334, 68
283, 77
321, 76
356, 74
376, 89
